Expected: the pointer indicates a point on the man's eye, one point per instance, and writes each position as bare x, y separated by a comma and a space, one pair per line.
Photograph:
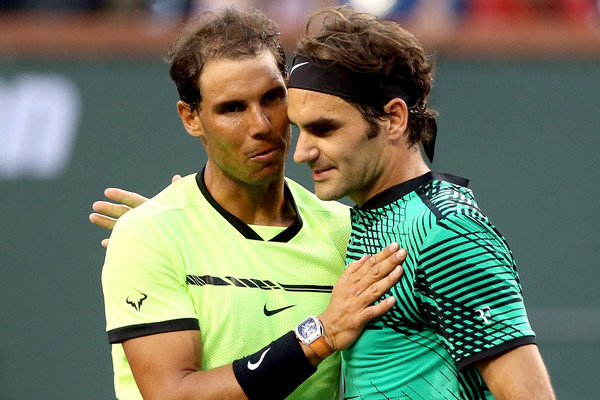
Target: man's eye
232, 108
273, 96
321, 130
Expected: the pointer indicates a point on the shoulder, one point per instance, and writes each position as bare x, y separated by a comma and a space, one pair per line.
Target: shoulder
143, 237
449, 200
178, 195
323, 221
456, 217
166, 205
308, 201
451, 208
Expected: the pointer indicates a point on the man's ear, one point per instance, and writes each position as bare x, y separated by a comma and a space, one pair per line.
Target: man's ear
397, 114
190, 119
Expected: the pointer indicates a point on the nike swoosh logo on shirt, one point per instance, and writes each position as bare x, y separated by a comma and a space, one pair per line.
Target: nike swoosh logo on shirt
268, 313
296, 66
253, 366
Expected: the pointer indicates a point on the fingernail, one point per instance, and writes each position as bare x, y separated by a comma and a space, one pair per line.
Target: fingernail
400, 254
394, 246
390, 301
397, 271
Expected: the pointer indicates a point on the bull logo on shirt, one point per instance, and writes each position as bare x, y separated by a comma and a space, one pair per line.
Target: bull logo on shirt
136, 300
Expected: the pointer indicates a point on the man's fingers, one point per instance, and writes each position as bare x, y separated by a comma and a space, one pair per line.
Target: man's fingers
361, 268
379, 270
388, 251
107, 213
379, 287
356, 265
374, 293
387, 265
175, 178
110, 209
102, 221
130, 199
377, 310
364, 282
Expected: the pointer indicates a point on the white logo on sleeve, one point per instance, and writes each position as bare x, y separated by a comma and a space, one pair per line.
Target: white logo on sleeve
253, 366
484, 314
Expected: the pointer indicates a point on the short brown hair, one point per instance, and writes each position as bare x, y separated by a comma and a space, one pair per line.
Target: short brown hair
227, 34
366, 44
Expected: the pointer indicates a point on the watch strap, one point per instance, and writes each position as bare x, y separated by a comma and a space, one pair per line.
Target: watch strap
321, 348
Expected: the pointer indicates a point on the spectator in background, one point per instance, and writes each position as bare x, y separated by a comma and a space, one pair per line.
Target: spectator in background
532, 10
52, 5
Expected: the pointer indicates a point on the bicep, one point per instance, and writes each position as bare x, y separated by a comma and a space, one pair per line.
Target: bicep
470, 289
159, 361
517, 374
168, 365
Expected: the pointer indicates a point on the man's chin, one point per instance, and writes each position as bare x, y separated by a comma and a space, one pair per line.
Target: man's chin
326, 193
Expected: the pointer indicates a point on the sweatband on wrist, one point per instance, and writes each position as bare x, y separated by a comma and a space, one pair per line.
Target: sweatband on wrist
274, 371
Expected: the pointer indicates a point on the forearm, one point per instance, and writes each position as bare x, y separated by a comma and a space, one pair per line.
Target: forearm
168, 366
274, 371
311, 356
218, 383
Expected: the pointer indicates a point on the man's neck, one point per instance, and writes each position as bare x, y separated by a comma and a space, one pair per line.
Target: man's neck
264, 204
399, 170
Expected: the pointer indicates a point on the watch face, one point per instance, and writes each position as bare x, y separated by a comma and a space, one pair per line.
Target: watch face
309, 330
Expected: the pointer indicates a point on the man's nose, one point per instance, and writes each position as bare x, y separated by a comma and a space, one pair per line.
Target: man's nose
305, 149
261, 124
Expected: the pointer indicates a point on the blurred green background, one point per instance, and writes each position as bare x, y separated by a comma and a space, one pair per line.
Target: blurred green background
523, 129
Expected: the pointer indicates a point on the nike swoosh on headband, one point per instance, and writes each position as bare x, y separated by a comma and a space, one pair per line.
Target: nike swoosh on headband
296, 66
253, 366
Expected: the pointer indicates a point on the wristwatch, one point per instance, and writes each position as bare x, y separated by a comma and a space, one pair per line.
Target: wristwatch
310, 332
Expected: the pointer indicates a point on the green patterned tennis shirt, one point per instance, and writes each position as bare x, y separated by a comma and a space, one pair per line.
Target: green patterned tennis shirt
459, 300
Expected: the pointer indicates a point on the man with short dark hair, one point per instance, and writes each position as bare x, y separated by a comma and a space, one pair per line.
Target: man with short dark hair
220, 263
358, 92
